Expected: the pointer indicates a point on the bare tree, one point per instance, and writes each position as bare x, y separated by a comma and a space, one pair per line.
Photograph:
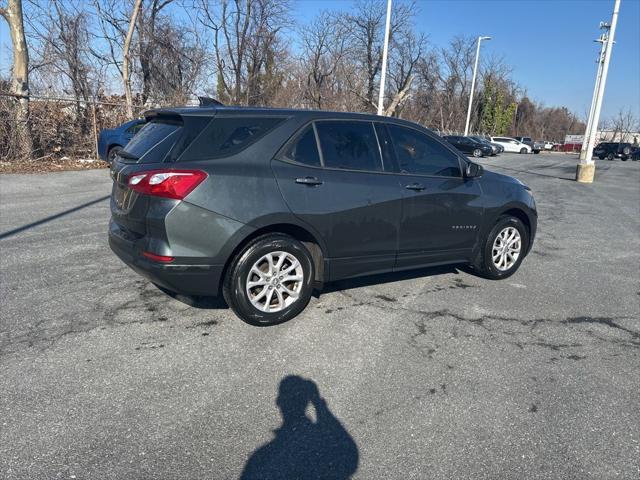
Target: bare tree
323, 50
623, 124
366, 31
246, 43
126, 58
13, 14
406, 51
61, 39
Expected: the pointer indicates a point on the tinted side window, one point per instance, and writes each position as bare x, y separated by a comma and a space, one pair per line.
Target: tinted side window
349, 145
229, 135
417, 153
304, 148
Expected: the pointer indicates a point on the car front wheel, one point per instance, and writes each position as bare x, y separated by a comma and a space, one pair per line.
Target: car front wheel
611, 156
504, 248
270, 281
477, 153
523, 150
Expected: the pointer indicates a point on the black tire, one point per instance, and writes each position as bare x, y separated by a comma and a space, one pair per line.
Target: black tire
611, 156
477, 153
523, 150
536, 152
601, 157
484, 264
111, 154
234, 287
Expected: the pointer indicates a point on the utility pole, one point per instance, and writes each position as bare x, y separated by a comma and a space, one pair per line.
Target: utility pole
473, 84
383, 73
603, 41
586, 169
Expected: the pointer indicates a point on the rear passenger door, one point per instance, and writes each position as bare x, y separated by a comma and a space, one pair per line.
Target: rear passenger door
441, 210
332, 177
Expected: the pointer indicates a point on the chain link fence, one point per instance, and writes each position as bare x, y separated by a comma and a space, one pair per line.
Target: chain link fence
62, 127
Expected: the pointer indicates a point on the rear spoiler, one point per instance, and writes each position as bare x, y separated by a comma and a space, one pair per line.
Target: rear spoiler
168, 116
175, 114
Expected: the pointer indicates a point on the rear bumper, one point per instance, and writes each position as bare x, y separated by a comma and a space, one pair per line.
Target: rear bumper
180, 277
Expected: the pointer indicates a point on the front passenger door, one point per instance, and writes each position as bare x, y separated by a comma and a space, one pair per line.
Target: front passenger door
441, 210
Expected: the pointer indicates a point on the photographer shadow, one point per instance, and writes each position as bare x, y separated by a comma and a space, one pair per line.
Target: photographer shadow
304, 448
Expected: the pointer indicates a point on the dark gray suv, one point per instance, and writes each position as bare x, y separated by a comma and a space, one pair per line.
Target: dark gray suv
264, 205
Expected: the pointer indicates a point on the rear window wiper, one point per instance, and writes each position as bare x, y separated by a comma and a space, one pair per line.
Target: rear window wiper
125, 154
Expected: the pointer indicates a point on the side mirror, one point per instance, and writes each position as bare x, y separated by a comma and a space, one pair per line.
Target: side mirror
473, 170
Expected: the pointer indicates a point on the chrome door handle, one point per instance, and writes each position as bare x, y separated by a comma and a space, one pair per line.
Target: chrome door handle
415, 186
312, 181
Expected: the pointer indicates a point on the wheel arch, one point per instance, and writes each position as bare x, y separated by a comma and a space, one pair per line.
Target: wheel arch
110, 146
520, 211
304, 235
521, 215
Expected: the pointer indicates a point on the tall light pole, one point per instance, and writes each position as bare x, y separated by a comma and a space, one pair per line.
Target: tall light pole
603, 41
383, 73
473, 84
586, 169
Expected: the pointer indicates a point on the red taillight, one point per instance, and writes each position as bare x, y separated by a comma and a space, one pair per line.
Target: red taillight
158, 258
167, 183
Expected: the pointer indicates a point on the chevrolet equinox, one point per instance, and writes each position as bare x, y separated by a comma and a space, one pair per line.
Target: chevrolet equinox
264, 205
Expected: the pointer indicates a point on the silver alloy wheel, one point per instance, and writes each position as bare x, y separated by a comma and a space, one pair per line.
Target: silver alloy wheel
275, 282
506, 248
477, 153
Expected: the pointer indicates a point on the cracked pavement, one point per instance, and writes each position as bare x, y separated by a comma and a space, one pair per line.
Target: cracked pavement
434, 374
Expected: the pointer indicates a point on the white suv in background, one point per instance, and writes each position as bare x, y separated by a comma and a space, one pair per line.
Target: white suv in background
511, 144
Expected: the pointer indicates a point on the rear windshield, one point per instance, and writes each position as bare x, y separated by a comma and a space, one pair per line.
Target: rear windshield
164, 139
157, 136
227, 136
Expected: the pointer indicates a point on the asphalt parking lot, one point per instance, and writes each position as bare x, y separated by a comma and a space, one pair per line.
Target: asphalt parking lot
436, 374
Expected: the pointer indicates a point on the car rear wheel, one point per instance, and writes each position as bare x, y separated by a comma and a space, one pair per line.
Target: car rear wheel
523, 150
270, 281
477, 153
113, 152
611, 156
504, 249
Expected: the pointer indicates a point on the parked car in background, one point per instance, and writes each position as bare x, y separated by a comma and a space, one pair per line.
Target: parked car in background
469, 146
535, 146
495, 148
265, 205
512, 145
538, 146
549, 145
611, 150
499, 147
112, 140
